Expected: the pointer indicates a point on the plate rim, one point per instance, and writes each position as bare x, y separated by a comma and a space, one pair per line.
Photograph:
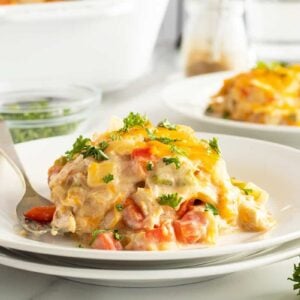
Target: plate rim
278, 254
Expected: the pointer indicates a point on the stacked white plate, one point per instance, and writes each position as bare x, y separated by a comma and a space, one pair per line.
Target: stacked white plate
273, 167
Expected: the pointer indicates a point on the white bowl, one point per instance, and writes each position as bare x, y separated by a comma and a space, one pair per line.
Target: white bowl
107, 43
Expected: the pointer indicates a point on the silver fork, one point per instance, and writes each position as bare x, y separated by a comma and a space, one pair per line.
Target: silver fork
30, 198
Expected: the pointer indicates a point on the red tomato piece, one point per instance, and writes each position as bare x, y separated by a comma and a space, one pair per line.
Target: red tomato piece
160, 234
106, 241
132, 215
191, 228
43, 214
141, 153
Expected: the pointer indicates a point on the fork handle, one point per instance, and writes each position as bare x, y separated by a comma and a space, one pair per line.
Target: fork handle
7, 145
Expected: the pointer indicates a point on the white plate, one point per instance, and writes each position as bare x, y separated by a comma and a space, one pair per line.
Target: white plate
273, 167
191, 96
146, 278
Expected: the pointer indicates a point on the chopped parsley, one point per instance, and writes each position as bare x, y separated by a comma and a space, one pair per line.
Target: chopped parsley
149, 165
166, 124
96, 153
175, 149
161, 139
211, 208
270, 65
117, 235
82, 146
134, 120
296, 277
172, 200
247, 191
172, 160
226, 114
213, 144
209, 109
108, 178
119, 207
79, 145
161, 181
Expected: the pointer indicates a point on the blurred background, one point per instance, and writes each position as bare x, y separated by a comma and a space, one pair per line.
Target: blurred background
47, 46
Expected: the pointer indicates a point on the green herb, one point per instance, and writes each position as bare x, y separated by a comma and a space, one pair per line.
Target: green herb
209, 109
166, 124
108, 178
247, 191
296, 278
80, 246
117, 235
37, 110
115, 136
172, 160
94, 152
134, 120
119, 207
149, 165
103, 145
175, 149
270, 65
211, 208
226, 114
213, 143
79, 145
163, 140
161, 181
172, 200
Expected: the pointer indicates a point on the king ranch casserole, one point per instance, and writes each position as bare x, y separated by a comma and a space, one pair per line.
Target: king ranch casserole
145, 187
267, 94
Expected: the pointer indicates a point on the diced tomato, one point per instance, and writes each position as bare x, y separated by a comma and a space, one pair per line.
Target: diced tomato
132, 215
191, 228
43, 214
141, 153
186, 206
106, 241
160, 234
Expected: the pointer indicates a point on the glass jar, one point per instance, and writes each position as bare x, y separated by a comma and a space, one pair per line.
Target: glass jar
41, 109
214, 37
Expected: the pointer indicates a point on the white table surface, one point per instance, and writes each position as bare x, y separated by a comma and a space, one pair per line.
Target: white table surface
267, 283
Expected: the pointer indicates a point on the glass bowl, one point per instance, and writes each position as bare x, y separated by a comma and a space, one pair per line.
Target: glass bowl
40, 110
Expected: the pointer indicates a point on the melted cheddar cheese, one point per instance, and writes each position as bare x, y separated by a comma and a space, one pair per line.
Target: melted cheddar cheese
268, 94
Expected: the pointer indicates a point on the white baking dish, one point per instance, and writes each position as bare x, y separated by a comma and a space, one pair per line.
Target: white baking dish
102, 42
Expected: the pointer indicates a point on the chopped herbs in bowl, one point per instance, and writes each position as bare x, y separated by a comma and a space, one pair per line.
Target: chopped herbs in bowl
47, 110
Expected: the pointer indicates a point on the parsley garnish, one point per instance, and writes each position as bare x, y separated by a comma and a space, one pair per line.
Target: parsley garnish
97, 153
119, 207
296, 278
117, 235
172, 200
134, 120
82, 146
213, 144
166, 124
161, 181
79, 145
211, 208
271, 65
247, 191
177, 150
108, 178
149, 165
172, 160
163, 140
